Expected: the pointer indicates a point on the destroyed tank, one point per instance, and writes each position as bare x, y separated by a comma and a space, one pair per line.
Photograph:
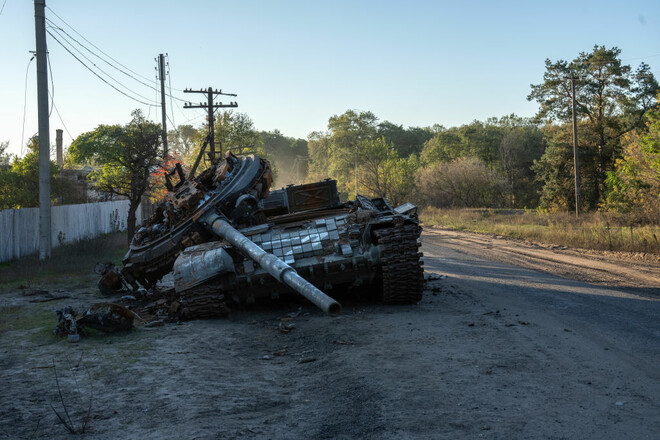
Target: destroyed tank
228, 239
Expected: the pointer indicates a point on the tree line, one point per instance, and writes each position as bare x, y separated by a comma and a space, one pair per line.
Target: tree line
503, 162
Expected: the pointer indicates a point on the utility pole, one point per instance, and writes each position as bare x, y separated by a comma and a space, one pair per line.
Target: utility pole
161, 71
44, 137
210, 108
575, 150
356, 172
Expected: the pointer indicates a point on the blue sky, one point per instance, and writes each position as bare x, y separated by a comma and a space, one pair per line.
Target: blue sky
294, 64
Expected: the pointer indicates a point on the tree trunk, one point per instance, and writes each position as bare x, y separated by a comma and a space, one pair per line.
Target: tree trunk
130, 220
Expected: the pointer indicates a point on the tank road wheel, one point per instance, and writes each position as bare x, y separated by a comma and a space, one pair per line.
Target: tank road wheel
401, 265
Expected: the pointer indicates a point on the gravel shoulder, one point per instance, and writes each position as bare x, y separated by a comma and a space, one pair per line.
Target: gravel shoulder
512, 340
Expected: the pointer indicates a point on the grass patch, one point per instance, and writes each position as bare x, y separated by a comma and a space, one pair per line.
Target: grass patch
37, 322
70, 264
590, 231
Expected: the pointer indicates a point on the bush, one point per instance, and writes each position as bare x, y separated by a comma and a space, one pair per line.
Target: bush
464, 182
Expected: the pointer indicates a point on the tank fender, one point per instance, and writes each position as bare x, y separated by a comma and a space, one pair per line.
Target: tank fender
198, 264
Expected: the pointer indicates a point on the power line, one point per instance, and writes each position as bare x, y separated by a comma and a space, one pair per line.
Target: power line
27, 70
3, 6
133, 77
99, 69
51, 92
169, 84
641, 58
61, 120
96, 74
96, 47
60, 31
52, 86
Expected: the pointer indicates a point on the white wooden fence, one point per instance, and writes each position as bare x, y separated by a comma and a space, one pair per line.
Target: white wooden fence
19, 228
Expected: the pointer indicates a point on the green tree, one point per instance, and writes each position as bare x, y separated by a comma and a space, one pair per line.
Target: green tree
125, 157
521, 144
405, 141
481, 140
611, 100
346, 131
634, 184
19, 185
232, 131
236, 130
287, 154
318, 146
5, 158
464, 182
445, 146
182, 139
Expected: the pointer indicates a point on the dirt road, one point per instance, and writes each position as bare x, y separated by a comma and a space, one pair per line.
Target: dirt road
494, 351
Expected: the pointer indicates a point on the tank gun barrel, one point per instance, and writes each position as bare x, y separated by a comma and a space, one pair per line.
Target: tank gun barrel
271, 264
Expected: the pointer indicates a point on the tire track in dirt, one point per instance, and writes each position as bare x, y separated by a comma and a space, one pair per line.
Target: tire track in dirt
606, 269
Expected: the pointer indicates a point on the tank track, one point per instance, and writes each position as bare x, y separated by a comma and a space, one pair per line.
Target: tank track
205, 301
402, 271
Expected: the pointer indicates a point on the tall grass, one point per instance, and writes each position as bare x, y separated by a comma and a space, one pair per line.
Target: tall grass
590, 231
68, 264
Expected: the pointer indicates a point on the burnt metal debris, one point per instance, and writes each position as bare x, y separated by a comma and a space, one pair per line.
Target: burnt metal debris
104, 317
228, 239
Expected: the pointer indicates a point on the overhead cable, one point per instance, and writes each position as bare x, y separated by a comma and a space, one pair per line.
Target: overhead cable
96, 74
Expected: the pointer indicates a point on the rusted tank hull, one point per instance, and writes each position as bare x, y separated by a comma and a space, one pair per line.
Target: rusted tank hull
229, 238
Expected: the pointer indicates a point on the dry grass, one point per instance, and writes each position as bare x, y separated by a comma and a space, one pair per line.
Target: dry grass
68, 264
590, 231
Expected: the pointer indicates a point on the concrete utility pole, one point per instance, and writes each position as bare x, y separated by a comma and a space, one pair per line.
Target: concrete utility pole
44, 136
575, 150
161, 70
58, 148
210, 108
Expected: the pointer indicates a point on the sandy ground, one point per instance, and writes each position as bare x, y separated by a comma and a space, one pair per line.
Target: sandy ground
515, 341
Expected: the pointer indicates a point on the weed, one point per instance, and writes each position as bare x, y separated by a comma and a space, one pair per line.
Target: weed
68, 263
64, 417
590, 231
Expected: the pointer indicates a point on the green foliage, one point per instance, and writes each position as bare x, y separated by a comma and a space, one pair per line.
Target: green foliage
287, 155
554, 170
382, 173
520, 146
382, 152
125, 157
335, 154
232, 131
464, 182
236, 130
445, 146
634, 184
590, 231
611, 100
318, 147
347, 131
5, 158
508, 145
405, 141
19, 185
182, 140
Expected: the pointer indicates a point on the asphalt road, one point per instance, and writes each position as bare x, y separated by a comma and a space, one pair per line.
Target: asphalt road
493, 351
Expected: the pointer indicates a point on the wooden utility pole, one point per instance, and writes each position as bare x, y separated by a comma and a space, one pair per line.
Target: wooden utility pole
210, 108
575, 150
44, 136
161, 71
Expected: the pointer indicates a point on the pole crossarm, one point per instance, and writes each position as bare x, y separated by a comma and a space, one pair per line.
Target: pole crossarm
210, 107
